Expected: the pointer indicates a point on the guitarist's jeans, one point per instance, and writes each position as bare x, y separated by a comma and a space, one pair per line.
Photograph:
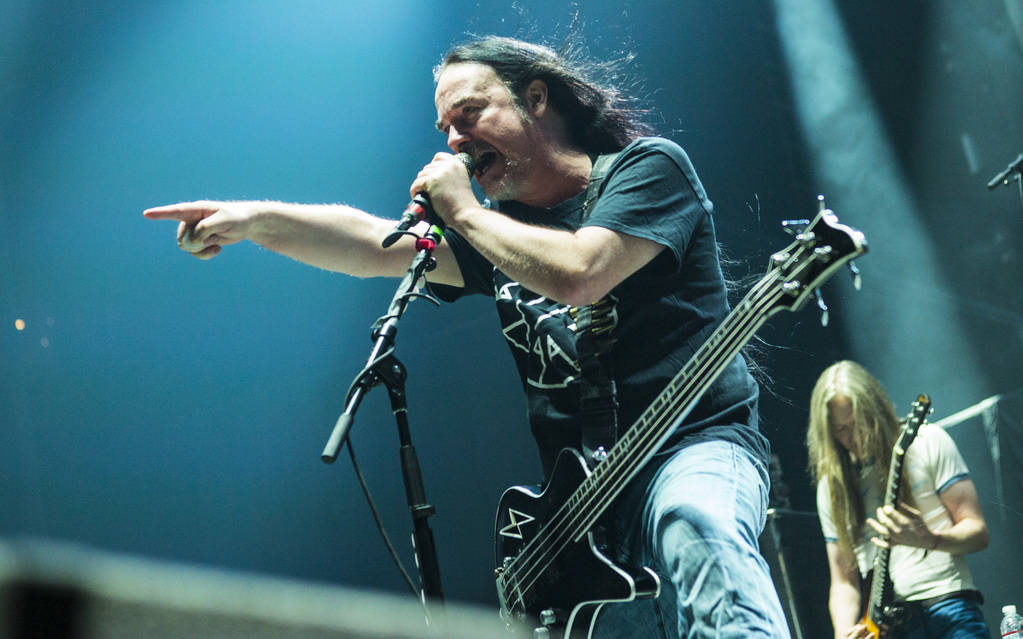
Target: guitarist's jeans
704, 510
957, 618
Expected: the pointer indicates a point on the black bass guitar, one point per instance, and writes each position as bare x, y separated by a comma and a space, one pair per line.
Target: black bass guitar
882, 609
550, 570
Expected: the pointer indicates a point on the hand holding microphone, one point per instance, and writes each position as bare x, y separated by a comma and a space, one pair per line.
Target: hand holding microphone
419, 208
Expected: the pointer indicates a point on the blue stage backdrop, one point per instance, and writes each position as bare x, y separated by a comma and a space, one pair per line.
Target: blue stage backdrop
157, 405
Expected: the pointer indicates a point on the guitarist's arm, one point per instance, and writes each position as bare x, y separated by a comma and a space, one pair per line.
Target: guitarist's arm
844, 600
969, 533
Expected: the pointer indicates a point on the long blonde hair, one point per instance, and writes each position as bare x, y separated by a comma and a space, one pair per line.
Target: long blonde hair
876, 429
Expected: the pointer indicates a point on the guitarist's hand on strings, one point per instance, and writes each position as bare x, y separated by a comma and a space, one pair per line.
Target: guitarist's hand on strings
860, 631
901, 526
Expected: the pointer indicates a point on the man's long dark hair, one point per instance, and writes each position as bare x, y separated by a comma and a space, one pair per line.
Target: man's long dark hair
599, 117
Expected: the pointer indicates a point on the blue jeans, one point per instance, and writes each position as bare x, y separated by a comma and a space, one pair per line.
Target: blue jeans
957, 618
702, 515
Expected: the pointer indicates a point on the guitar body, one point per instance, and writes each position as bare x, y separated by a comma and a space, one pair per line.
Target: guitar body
580, 579
887, 618
890, 619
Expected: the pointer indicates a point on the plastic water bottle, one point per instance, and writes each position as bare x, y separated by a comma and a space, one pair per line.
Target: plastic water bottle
1010, 626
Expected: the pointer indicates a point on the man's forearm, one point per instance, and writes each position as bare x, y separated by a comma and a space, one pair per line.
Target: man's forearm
845, 606
340, 238
968, 535
334, 237
571, 267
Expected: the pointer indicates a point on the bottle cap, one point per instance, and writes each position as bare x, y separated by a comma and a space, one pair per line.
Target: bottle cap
1009, 610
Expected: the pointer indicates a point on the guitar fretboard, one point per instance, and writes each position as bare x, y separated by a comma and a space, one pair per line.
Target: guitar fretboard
881, 585
882, 580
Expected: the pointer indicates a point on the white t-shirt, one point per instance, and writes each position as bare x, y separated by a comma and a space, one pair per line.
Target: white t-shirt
932, 464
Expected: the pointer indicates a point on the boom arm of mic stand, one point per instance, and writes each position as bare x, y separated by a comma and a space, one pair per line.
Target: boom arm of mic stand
384, 367
367, 378
384, 333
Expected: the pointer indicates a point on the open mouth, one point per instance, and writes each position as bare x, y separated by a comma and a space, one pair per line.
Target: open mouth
483, 163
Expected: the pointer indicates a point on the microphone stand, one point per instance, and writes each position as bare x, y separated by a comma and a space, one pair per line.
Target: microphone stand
1003, 177
383, 367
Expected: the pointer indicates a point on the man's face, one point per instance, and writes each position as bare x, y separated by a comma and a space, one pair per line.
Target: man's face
480, 117
842, 422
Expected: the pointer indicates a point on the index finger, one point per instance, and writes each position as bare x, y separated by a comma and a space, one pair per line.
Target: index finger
906, 508
898, 515
877, 526
188, 212
858, 631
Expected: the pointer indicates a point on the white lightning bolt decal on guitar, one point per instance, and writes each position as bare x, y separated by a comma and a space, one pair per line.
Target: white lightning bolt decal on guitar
516, 523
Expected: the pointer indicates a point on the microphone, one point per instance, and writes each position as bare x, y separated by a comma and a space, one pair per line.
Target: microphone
419, 208
1003, 177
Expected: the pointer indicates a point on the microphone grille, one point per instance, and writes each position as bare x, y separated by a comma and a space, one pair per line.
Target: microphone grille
466, 159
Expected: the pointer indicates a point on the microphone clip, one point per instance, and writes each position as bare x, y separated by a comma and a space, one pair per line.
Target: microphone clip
420, 209
417, 210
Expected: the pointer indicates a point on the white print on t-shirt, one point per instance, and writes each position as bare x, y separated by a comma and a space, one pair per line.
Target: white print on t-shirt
538, 331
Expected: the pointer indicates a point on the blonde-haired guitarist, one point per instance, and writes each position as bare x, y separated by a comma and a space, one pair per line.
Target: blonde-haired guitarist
931, 523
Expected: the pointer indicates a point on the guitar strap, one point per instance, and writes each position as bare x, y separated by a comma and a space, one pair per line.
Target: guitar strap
595, 323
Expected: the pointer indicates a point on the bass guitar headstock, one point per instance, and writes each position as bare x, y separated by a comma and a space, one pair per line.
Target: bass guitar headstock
821, 247
917, 416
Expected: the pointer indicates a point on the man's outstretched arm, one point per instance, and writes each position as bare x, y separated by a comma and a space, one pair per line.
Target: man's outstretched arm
334, 237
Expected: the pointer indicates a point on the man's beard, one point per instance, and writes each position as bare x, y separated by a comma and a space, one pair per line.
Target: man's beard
510, 186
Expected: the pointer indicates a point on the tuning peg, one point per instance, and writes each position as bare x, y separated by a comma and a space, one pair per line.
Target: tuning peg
857, 280
821, 305
794, 227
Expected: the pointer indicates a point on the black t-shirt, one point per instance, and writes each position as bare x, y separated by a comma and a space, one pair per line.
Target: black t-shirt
664, 312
